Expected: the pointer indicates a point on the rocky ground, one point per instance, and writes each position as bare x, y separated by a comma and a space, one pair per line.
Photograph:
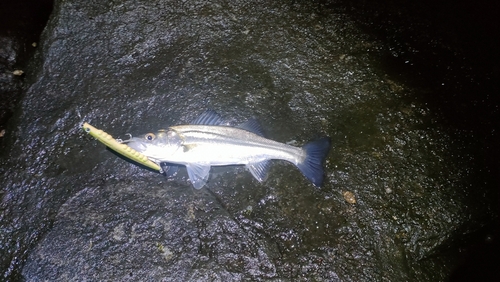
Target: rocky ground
410, 179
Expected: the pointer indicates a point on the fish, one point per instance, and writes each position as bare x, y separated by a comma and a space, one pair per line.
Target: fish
208, 141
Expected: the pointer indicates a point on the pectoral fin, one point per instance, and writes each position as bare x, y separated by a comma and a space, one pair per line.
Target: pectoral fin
259, 170
198, 174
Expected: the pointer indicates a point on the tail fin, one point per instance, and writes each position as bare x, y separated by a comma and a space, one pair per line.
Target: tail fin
312, 166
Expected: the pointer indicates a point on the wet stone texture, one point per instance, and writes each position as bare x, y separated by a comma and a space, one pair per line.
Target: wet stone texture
399, 191
21, 23
148, 236
10, 78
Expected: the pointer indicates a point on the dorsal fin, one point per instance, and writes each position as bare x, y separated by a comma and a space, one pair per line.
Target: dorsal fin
253, 126
208, 117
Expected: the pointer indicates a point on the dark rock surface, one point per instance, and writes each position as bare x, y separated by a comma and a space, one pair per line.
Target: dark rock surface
401, 188
21, 23
10, 83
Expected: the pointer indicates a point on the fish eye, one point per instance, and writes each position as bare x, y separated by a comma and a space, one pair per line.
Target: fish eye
150, 136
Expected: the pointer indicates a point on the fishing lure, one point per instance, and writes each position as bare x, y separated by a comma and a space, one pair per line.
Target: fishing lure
118, 147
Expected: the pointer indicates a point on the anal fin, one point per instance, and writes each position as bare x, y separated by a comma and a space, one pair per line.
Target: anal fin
259, 170
198, 174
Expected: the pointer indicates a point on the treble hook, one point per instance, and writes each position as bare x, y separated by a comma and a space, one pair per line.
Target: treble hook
125, 141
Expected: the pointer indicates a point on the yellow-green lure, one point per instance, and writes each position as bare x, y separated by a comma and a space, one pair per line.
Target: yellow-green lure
118, 147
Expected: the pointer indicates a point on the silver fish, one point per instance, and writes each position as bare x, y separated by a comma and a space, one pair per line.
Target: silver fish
207, 142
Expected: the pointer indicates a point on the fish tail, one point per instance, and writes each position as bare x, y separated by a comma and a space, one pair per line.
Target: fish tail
312, 166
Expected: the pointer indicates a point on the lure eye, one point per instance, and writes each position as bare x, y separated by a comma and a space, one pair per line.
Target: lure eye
150, 136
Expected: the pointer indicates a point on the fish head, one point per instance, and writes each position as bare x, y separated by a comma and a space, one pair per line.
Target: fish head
158, 146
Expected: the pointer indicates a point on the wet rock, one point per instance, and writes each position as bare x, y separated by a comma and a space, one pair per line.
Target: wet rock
10, 83
72, 210
157, 233
21, 23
